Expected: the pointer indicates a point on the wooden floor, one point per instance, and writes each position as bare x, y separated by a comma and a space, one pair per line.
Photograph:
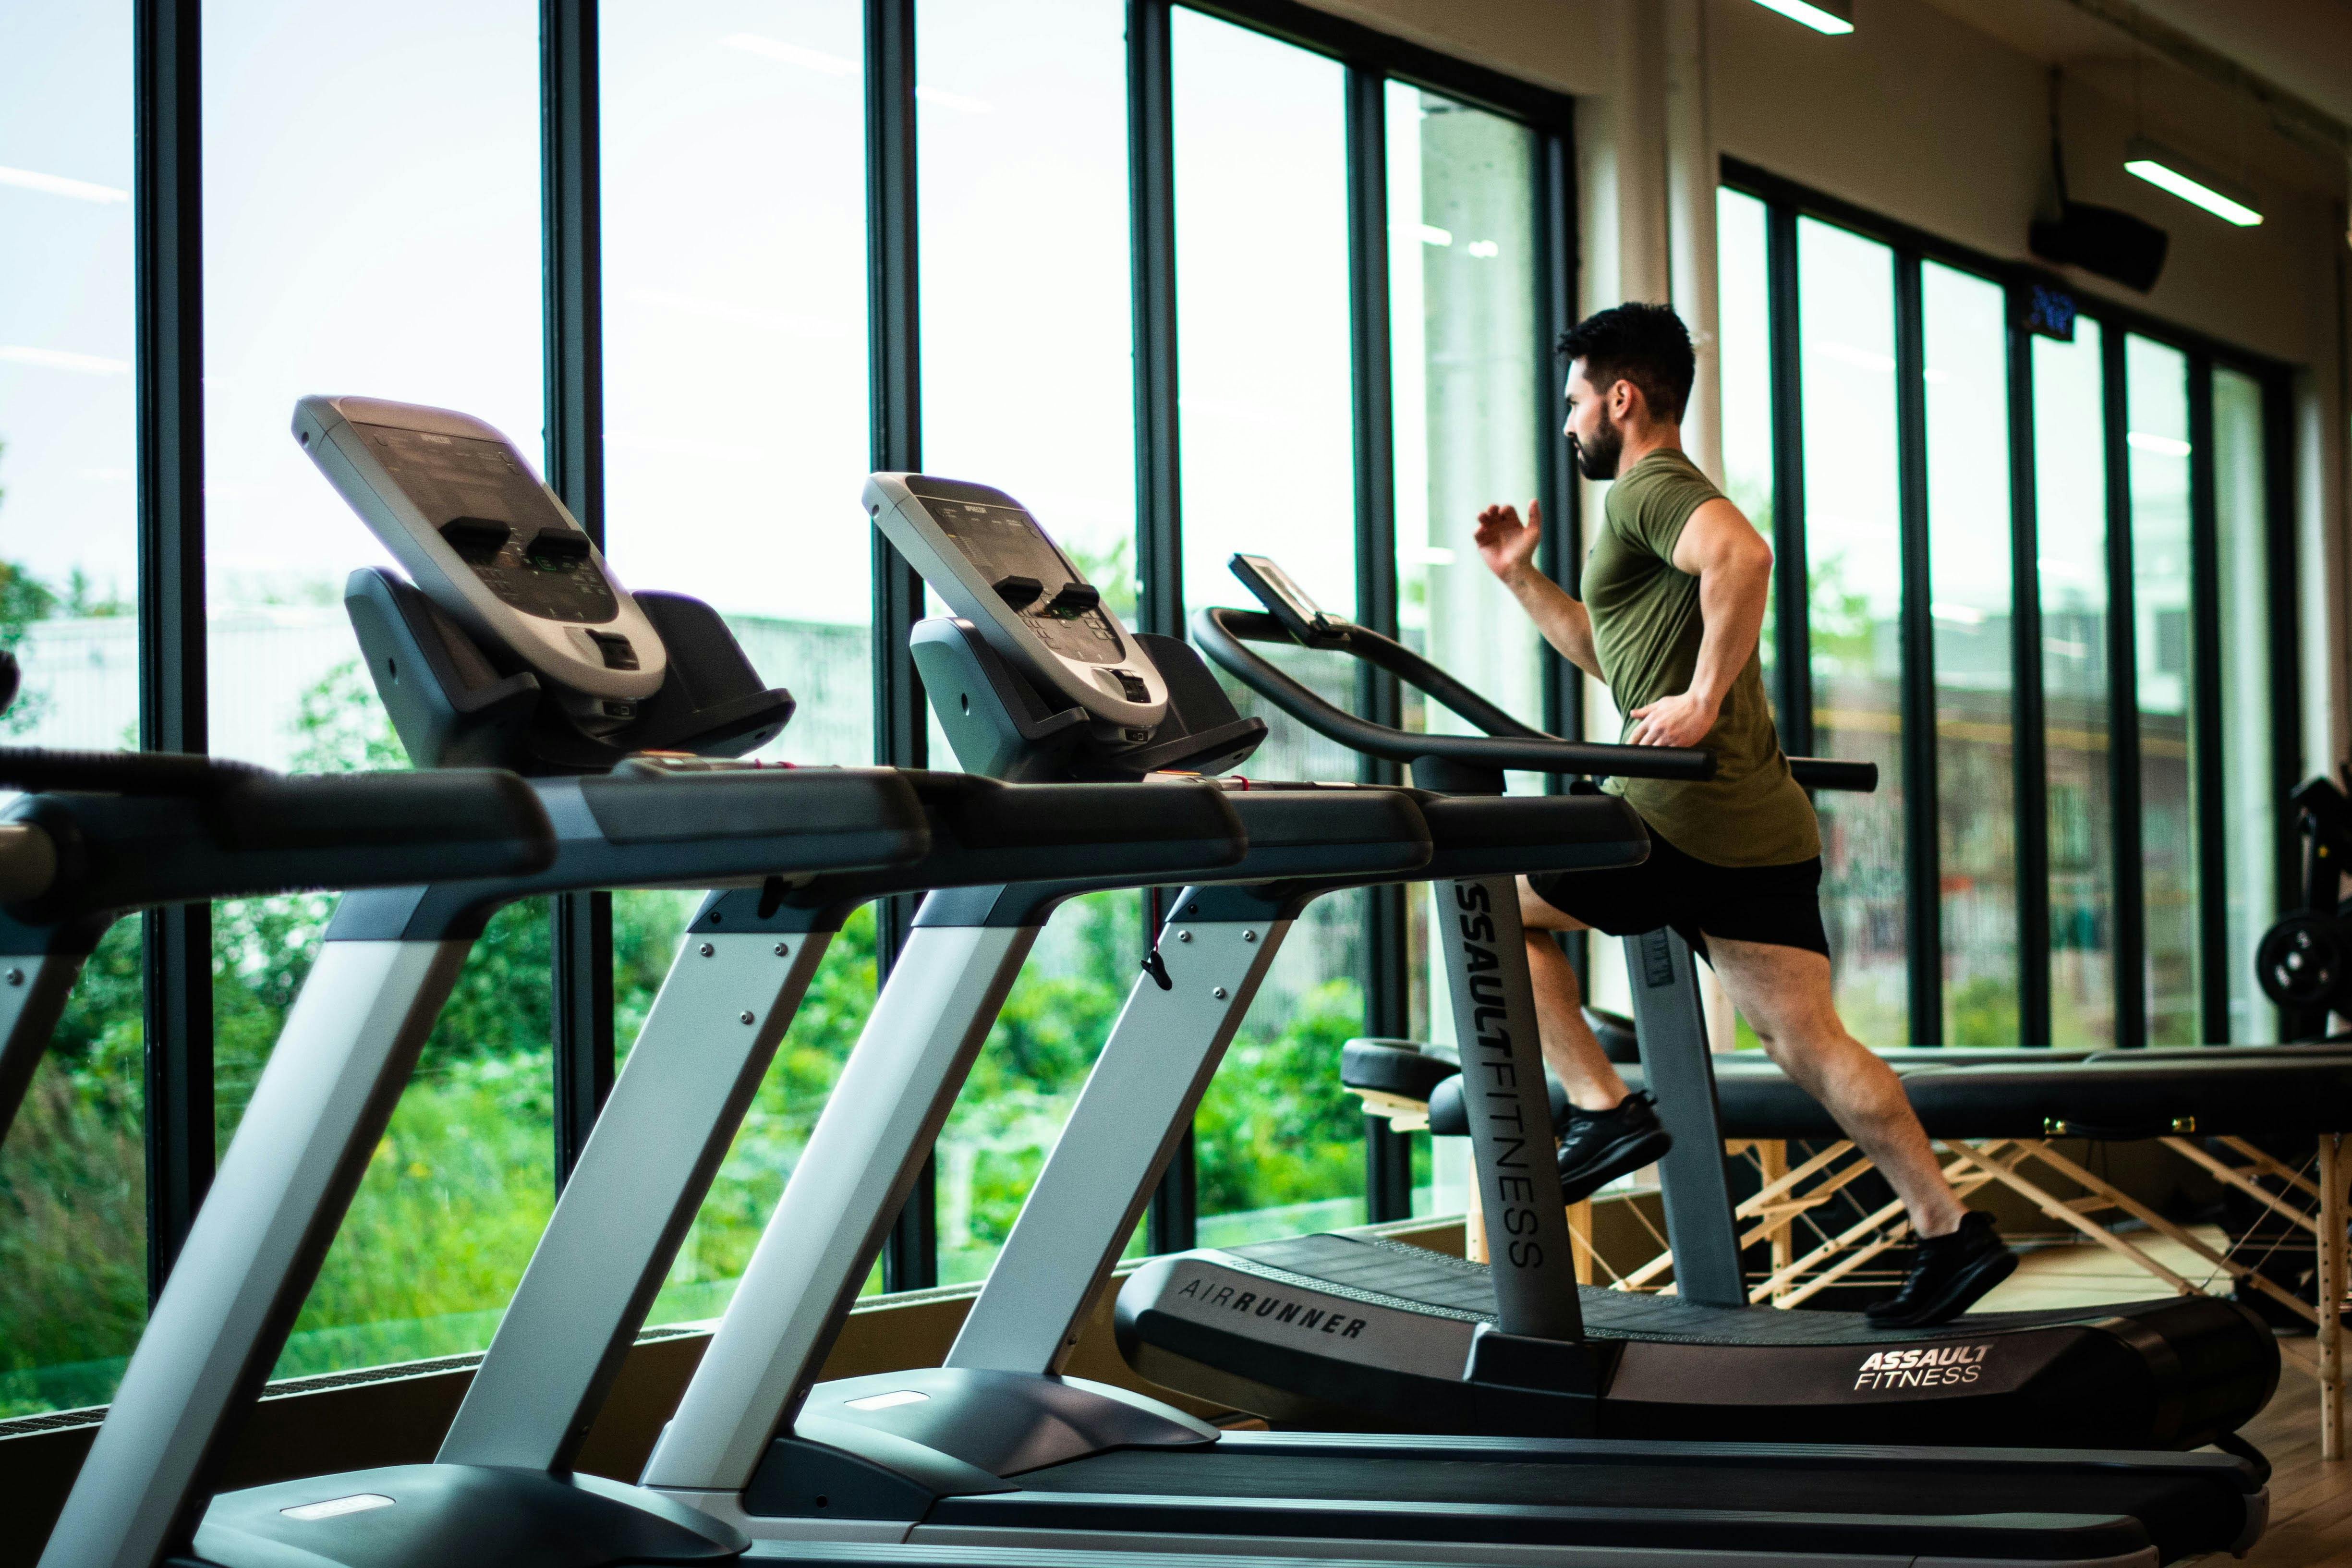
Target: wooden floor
2311, 1499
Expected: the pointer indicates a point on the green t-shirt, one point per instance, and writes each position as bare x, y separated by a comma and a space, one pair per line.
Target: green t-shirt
1646, 629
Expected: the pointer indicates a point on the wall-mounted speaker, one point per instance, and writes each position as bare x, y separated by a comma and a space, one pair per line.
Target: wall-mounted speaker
2105, 240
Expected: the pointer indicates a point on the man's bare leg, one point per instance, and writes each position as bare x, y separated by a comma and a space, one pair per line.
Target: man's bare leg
1574, 1057
1784, 994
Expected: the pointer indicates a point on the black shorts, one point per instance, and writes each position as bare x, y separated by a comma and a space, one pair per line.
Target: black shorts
1777, 904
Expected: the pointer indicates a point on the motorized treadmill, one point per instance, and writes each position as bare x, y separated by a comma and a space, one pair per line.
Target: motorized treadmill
998, 1448
2176, 1372
507, 647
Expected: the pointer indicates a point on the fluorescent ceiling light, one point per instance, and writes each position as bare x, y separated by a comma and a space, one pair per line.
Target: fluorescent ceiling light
947, 99
1861, 359
2162, 446
1432, 234
1830, 16
58, 185
792, 54
2167, 171
58, 359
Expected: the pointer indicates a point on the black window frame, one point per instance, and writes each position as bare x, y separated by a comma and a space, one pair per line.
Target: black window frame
1786, 200
170, 309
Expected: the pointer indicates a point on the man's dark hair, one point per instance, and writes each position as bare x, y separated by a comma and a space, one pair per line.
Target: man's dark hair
1645, 344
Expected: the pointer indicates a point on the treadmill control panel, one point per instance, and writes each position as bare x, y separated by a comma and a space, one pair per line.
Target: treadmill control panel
981, 552
490, 545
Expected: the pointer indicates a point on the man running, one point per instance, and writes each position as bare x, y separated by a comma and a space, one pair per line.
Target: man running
1673, 593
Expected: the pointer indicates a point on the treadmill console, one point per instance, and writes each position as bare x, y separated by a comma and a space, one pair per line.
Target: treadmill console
1301, 617
983, 552
490, 545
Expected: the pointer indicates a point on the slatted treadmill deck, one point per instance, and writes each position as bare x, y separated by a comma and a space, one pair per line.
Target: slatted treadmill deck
1413, 1278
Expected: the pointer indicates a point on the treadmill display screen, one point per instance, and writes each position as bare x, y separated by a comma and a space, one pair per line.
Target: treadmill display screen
471, 491
1031, 576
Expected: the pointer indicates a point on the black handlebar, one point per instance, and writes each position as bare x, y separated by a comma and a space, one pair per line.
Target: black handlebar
1835, 772
1507, 743
182, 774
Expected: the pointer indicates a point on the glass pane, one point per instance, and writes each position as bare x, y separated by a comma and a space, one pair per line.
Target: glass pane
73, 1222
1023, 120
1969, 605
2249, 789
1025, 284
2070, 487
1262, 282
735, 406
1261, 153
1036, 1058
363, 262
1472, 397
735, 447
1744, 344
2156, 380
1854, 596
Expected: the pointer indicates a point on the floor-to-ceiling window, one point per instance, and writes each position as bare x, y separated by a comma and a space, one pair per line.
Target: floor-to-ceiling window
1472, 393
2071, 512
1261, 290
398, 258
1854, 593
735, 449
2155, 393
1970, 611
73, 1232
2078, 654
1026, 387
2250, 807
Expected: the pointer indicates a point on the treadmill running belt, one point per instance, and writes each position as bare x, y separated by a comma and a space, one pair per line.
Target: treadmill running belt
1413, 1278
2182, 1514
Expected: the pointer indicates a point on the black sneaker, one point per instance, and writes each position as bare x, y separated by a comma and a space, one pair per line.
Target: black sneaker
1596, 1147
1949, 1274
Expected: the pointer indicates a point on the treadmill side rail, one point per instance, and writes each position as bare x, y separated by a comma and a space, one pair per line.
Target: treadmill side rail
899, 1084
706, 1043
1149, 1077
316, 1115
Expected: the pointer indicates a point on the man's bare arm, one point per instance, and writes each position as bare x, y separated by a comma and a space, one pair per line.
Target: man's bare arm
1508, 546
1734, 567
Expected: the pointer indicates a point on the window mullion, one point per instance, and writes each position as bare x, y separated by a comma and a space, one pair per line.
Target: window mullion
2028, 740
901, 738
168, 240
1387, 1155
2129, 946
2207, 725
1923, 926
579, 925
1792, 642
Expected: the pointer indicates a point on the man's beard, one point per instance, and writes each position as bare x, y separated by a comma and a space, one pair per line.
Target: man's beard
1598, 461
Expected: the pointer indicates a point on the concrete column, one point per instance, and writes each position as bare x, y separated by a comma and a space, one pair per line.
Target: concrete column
1691, 176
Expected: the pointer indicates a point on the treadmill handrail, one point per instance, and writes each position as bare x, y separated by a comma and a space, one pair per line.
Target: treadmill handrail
184, 773
1223, 634
1507, 743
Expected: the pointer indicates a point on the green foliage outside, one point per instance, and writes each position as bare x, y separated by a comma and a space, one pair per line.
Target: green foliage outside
456, 1196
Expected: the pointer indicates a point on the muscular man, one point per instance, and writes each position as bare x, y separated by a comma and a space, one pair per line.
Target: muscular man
1674, 595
